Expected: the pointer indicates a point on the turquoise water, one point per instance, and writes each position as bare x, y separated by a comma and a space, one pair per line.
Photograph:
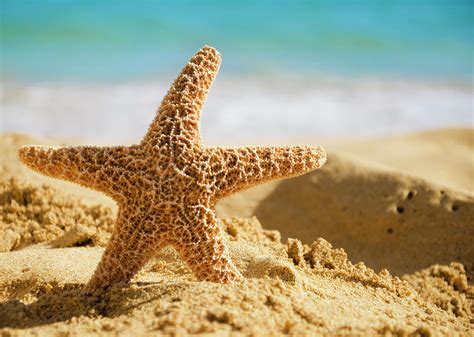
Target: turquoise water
91, 40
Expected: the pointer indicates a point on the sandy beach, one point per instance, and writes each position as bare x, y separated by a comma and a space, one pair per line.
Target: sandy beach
378, 242
366, 105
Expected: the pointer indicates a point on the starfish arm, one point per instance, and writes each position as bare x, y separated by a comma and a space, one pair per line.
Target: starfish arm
201, 244
98, 168
179, 114
131, 246
237, 169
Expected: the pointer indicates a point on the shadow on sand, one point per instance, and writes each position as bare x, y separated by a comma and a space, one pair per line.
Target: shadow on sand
53, 303
386, 220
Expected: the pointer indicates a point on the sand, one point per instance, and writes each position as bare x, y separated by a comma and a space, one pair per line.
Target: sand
401, 205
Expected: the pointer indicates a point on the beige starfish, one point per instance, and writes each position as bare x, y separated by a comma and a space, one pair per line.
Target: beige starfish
166, 187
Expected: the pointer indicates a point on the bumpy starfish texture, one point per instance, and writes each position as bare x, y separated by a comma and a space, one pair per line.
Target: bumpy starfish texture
166, 187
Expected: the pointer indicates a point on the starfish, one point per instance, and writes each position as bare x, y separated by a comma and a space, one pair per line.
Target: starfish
166, 187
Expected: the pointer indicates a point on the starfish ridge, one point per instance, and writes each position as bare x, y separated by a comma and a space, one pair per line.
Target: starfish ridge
166, 187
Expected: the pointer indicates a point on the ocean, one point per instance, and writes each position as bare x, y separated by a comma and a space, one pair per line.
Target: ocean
290, 68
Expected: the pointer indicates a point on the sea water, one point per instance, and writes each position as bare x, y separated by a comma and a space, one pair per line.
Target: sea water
290, 68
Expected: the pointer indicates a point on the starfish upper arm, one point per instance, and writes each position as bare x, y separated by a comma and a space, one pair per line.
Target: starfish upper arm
180, 111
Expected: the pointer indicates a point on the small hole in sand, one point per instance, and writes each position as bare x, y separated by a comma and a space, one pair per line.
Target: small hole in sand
329, 265
400, 209
390, 230
410, 195
83, 243
442, 192
454, 207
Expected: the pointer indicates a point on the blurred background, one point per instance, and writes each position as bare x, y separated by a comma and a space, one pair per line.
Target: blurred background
99, 69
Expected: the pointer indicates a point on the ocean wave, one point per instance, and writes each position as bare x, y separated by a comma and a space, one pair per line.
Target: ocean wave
238, 108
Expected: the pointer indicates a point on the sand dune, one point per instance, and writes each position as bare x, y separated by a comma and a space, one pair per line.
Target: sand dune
401, 205
383, 201
444, 157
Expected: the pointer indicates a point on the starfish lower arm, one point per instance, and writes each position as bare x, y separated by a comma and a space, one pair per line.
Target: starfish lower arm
198, 239
201, 245
129, 248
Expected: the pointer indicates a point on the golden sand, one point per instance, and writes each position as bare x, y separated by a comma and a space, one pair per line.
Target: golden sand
32, 214
301, 286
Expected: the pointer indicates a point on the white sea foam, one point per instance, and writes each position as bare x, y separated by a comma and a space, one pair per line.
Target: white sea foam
240, 108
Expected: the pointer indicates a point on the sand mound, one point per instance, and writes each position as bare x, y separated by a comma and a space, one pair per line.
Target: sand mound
384, 218
445, 286
32, 214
